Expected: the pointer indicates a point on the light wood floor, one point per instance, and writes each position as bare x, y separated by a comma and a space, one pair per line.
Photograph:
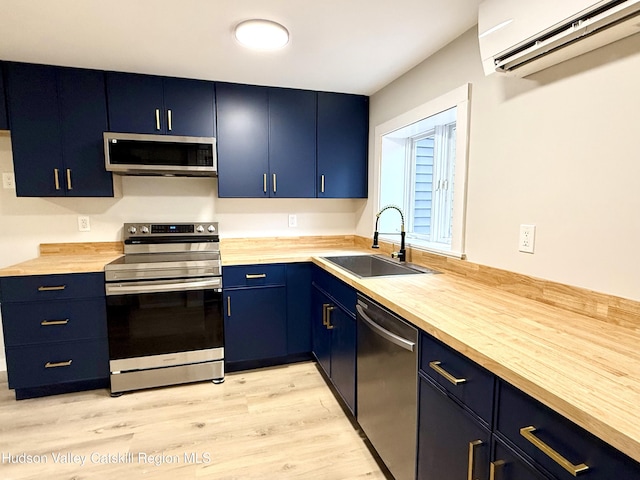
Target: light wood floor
275, 423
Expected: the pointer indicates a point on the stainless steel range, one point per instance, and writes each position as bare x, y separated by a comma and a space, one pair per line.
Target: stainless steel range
164, 306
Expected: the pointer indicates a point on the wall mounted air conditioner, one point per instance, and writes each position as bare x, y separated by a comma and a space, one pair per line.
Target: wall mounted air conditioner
520, 37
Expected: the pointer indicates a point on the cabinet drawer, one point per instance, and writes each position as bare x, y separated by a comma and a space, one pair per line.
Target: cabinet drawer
40, 322
549, 435
342, 293
462, 378
49, 364
253, 275
51, 287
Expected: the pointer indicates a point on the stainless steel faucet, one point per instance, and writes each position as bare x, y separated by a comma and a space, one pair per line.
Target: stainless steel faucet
402, 254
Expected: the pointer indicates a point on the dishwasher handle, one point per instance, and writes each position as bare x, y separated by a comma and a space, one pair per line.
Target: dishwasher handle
384, 333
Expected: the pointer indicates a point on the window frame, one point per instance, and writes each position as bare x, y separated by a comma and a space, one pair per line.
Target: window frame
460, 99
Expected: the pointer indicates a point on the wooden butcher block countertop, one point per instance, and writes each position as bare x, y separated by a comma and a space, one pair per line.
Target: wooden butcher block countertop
586, 369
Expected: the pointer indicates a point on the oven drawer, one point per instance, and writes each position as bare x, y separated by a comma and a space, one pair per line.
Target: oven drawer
51, 287
253, 275
555, 443
465, 380
40, 322
56, 363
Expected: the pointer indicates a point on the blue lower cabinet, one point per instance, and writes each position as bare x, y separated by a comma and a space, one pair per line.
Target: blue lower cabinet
57, 363
509, 465
452, 443
255, 323
334, 334
299, 308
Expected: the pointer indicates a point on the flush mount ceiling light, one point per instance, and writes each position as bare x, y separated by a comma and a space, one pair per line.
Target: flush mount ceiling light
262, 34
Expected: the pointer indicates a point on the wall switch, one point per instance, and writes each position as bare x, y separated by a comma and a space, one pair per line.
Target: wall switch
83, 224
8, 181
527, 238
293, 221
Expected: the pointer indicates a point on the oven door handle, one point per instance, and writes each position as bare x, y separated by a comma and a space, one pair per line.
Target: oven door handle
159, 287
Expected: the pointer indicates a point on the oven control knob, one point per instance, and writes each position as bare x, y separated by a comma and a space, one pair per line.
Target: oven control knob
211, 229
144, 229
132, 230
199, 229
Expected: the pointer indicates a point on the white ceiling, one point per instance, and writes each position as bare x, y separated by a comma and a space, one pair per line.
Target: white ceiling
355, 46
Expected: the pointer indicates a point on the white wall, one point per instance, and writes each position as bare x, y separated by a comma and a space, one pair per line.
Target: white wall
558, 150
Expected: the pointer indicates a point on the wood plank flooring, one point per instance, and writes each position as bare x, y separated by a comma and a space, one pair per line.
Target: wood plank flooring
275, 423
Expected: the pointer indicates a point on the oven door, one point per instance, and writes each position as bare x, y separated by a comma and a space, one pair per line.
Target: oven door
151, 320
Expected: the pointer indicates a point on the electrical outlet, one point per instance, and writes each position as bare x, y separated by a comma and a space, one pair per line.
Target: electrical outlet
8, 181
83, 224
527, 238
293, 221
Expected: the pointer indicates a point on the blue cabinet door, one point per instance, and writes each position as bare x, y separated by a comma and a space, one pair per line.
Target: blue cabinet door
292, 143
321, 335
83, 109
4, 124
255, 323
509, 465
243, 140
450, 440
299, 308
135, 103
35, 130
343, 354
343, 128
189, 107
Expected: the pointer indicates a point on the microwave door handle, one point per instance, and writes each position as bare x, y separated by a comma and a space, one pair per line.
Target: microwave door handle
134, 288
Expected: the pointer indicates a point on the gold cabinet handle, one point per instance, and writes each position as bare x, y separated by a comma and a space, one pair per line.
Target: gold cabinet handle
493, 466
169, 122
472, 449
435, 365
527, 433
228, 306
253, 276
58, 364
321, 183
69, 187
56, 178
264, 182
330, 308
324, 313
157, 119
46, 323
51, 289
274, 183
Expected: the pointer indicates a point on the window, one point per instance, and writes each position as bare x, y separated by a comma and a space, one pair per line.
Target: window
423, 156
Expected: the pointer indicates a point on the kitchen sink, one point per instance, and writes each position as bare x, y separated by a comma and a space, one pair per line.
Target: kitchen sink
365, 266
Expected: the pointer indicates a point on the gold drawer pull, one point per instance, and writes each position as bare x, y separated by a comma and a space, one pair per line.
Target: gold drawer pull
46, 323
58, 364
329, 309
253, 276
436, 366
228, 306
264, 182
527, 432
492, 468
56, 178
157, 119
52, 289
69, 186
472, 450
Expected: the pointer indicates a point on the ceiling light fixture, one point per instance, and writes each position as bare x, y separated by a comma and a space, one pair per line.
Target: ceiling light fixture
261, 34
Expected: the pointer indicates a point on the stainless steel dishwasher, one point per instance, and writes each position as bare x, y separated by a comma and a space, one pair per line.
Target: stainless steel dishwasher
387, 394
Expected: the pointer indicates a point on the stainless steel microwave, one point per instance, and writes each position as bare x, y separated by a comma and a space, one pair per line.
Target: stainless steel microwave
137, 154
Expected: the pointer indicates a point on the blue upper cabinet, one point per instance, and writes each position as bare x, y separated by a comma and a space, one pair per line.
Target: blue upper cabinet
57, 117
343, 128
266, 142
4, 124
292, 143
243, 140
160, 105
